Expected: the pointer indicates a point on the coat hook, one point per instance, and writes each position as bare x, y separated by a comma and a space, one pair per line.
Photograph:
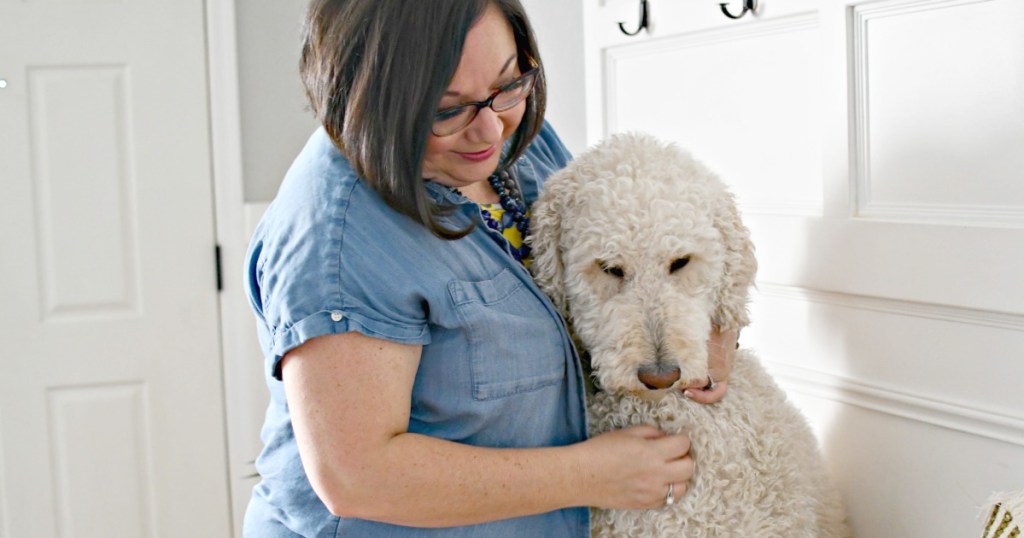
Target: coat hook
748, 5
643, 20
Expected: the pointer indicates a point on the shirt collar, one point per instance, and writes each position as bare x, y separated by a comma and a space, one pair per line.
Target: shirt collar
441, 194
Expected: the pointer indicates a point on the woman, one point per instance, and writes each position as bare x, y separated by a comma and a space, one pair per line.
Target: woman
421, 384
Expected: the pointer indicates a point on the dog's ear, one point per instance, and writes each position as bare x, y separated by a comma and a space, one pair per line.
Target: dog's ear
733, 294
545, 237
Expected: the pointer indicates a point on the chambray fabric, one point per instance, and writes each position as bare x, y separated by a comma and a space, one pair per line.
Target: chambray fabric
498, 368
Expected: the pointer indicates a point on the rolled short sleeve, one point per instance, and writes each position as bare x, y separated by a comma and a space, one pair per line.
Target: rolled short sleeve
315, 270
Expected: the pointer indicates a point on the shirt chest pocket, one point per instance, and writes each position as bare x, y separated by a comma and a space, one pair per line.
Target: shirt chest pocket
515, 343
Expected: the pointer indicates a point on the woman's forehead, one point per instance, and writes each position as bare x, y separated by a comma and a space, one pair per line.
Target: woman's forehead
488, 53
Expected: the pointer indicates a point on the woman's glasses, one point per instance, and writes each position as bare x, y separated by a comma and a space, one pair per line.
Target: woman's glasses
452, 120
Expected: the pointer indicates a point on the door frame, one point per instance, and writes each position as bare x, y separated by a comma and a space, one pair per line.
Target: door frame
241, 400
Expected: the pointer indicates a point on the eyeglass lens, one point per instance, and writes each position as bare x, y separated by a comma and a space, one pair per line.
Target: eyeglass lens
452, 120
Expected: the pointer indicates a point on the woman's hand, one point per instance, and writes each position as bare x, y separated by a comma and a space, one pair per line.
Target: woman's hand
632, 468
721, 350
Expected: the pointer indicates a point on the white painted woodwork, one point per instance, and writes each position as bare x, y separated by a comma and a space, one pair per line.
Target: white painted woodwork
874, 147
83, 423
111, 402
83, 273
245, 392
963, 102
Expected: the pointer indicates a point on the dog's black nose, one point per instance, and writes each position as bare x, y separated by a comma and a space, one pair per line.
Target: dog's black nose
656, 377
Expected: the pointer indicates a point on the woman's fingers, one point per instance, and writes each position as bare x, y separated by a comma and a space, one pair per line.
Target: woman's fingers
708, 396
675, 494
644, 431
672, 447
678, 474
633, 467
721, 351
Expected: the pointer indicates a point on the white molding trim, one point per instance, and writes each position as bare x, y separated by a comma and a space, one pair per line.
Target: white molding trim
609, 65
948, 214
863, 206
985, 318
659, 45
992, 424
253, 212
5, 529
228, 184
893, 8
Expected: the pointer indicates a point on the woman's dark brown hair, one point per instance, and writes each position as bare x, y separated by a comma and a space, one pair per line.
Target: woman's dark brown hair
374, 73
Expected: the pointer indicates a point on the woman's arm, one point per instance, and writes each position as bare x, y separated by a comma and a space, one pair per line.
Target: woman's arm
349, 398
721, 350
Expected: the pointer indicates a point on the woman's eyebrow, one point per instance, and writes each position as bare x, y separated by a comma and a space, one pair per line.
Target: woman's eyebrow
508, 63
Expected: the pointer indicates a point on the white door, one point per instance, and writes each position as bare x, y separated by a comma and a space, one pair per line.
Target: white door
875, 147
111, 405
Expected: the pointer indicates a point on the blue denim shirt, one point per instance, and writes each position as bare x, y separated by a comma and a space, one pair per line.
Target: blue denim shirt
497, 368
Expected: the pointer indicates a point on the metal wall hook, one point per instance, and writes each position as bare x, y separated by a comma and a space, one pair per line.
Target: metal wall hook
643, 20
748, 5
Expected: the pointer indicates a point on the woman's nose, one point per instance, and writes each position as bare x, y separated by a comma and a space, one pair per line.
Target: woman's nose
486, 126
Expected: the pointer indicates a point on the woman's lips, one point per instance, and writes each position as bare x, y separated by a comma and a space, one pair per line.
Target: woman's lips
479, 155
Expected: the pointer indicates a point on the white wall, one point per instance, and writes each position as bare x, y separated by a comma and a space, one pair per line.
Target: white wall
559, 28
274, 116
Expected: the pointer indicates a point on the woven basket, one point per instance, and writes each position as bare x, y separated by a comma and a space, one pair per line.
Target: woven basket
1005, 518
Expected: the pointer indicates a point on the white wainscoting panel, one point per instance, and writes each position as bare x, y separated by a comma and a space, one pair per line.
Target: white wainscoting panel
889, 387
884, 355
743, 99
931, 80
906, 477
965, 266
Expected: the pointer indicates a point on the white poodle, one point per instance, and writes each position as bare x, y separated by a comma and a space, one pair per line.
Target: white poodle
643, 249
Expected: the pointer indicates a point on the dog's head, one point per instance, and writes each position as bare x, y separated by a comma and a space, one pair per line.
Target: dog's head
642, 248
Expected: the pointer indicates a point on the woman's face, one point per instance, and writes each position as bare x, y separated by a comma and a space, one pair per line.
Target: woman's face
465, 159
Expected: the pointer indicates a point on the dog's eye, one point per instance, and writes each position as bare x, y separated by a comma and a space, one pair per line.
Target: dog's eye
678, 264
612, 270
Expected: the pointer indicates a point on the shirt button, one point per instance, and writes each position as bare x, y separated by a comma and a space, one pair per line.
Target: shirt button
336, 315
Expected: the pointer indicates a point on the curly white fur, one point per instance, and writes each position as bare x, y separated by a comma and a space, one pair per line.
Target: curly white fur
642, 247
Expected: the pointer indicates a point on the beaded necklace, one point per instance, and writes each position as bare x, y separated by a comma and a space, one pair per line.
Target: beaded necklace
514, 204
